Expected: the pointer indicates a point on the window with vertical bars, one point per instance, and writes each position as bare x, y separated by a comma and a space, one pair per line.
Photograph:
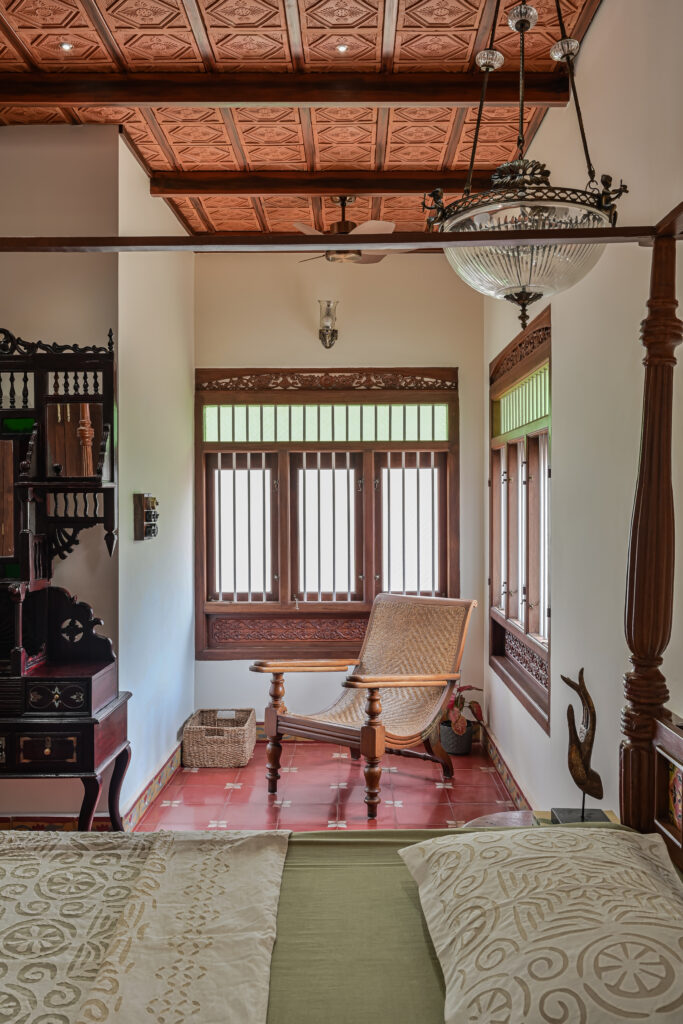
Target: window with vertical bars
519, 570
312, 508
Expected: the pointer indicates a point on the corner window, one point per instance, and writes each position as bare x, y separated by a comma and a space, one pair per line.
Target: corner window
519, 582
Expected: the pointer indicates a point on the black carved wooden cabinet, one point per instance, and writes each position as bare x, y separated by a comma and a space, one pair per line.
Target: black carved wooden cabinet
61, 713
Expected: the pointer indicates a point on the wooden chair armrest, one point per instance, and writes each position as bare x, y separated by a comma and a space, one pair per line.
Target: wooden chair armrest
385, 682
305, 665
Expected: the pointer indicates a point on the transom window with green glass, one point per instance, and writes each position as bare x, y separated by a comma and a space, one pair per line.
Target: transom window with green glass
242, 424
310, 503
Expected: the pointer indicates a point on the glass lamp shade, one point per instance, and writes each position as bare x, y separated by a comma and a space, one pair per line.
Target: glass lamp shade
542, 269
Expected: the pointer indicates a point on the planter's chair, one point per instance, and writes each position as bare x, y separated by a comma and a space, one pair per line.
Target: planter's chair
408, 665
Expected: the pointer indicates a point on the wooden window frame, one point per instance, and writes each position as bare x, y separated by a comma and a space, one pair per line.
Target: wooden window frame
289, 626
520, 659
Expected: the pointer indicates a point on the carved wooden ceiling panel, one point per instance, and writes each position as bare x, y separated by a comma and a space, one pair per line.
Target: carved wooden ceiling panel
159, 36
497, 136
436, 34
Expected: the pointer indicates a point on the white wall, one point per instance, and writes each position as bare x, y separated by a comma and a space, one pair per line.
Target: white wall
156, 453
262, 310
630, 81
61, 180
64, 180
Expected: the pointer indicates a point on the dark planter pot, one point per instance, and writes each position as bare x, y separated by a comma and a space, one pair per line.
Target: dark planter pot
453, 744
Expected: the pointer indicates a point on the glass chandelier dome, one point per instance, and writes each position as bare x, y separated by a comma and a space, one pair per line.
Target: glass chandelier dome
521, 198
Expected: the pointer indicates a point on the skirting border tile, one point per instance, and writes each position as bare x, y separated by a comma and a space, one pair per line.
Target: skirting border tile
152, 790
509, 781
52, 822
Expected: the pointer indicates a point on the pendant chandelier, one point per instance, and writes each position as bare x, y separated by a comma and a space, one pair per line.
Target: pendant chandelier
521, 198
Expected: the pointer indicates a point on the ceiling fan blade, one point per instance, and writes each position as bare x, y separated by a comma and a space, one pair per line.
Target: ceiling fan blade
321, 256
374, 227
306, 229
372, 257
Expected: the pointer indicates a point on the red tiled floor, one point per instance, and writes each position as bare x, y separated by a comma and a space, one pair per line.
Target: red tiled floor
321, 787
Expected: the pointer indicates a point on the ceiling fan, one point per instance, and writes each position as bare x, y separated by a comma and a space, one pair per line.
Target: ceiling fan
349, 227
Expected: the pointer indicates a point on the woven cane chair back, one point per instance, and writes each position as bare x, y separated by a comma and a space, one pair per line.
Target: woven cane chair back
414, 636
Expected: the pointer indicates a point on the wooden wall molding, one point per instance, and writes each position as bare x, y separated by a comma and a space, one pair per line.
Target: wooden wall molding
369, 379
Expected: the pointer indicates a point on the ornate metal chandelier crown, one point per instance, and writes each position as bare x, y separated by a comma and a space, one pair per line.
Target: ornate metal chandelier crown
521, 197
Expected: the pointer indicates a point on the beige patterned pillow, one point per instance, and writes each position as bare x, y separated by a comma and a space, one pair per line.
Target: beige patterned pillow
565, 925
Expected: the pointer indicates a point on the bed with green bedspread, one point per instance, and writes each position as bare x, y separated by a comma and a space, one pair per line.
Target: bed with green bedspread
352, 942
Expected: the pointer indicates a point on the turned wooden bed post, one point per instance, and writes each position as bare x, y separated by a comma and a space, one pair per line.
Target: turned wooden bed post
650, 576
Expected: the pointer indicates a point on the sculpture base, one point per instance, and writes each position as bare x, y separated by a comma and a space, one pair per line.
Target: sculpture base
570, 815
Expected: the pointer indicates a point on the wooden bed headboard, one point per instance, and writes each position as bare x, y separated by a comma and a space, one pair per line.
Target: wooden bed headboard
668, 783
651, 753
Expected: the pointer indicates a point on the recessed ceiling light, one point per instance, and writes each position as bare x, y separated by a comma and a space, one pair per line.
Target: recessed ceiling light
342, 48
66, 46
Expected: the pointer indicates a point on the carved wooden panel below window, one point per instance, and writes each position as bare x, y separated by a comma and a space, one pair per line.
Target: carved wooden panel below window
524, 667
250, 636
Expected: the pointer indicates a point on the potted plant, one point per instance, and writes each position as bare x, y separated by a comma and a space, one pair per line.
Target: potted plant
456, 726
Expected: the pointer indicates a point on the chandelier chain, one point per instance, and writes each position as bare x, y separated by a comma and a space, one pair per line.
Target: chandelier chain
485, 82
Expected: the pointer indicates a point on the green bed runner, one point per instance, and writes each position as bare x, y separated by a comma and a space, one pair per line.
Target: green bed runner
352, 944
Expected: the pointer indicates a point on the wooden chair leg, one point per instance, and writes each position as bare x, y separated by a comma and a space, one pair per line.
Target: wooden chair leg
274, 748
372, 748
373, 774
355, 753
433, 746
273, 754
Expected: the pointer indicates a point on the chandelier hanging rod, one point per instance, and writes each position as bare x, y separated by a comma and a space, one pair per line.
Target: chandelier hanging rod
569, 48
488, 62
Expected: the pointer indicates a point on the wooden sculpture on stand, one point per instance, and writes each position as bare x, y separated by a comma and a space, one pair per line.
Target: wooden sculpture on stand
61, 714
579, 757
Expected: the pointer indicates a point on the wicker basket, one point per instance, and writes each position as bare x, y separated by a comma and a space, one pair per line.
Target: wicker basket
210, 742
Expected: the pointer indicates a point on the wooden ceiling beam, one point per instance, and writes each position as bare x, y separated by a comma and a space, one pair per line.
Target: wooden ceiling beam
272, 89
304, 183
293, 242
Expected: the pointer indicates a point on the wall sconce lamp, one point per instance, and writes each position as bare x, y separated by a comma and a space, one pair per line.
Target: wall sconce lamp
328, 332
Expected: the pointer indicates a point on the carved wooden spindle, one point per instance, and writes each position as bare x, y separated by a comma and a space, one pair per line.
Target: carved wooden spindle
12, 393
274, 748
86, 434
24, 391
372, 748
649, 586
